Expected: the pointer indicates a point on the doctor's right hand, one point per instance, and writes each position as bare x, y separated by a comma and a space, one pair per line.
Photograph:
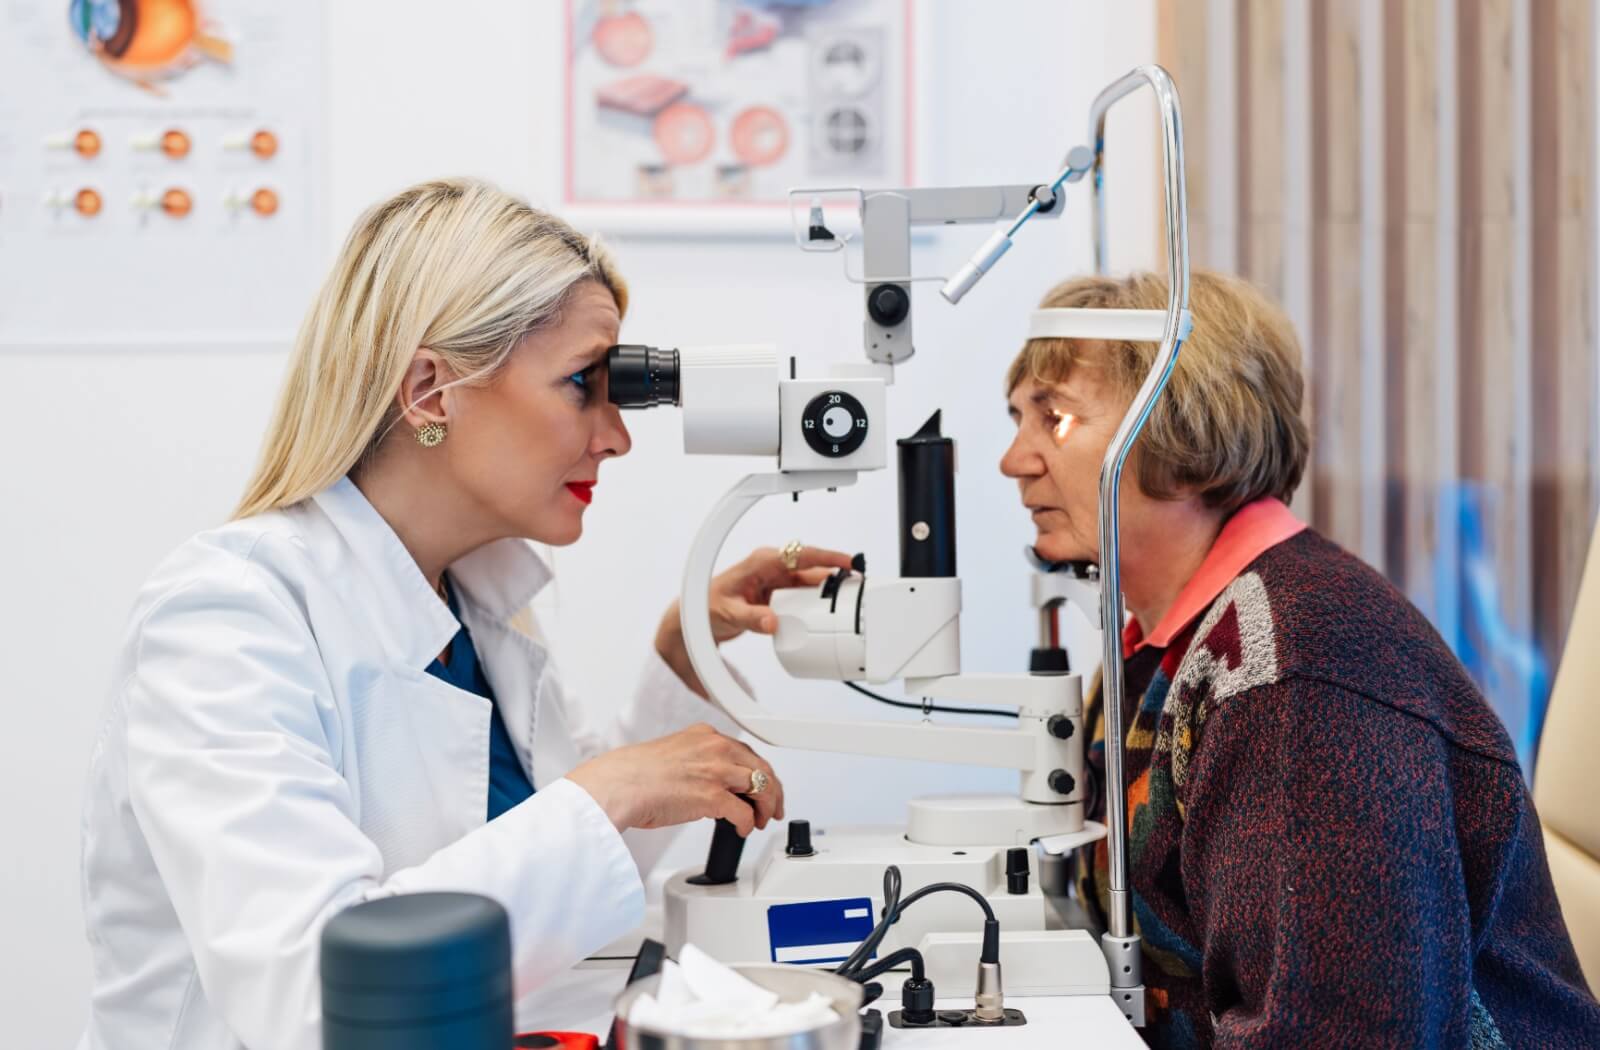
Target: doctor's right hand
694, 773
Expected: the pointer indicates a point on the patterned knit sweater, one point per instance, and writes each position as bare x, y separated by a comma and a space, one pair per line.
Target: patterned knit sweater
1331, 843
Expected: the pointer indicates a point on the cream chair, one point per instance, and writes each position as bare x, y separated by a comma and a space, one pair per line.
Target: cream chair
1564, 783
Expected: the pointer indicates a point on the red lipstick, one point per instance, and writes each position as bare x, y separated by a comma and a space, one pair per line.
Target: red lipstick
583, 490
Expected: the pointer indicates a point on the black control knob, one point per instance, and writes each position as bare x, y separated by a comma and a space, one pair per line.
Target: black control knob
1017, 870
1060, 727
888, 304
1048, 661
834, 424
799, 839
1061, 782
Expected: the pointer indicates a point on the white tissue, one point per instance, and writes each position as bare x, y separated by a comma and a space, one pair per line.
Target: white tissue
712, 982
673, 991
701, 998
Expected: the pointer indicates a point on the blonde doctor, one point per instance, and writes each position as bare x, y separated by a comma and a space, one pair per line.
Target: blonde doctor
341, 693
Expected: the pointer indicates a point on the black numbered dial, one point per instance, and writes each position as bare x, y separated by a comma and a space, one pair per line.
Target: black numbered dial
834, 424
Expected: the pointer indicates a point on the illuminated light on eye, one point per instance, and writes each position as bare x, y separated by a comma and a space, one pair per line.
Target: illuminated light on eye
1064, 426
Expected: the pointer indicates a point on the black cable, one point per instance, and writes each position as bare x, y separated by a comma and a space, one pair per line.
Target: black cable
893, 906
950, 887
928, 707
991, 926
869, 944
890, 961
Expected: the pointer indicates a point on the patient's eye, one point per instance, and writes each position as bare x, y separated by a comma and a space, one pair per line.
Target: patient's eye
1061, 424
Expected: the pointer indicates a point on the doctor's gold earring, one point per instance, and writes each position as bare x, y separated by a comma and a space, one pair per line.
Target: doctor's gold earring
430, 434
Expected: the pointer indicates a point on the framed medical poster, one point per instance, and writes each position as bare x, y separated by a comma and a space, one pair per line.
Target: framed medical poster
705, 113
162, 177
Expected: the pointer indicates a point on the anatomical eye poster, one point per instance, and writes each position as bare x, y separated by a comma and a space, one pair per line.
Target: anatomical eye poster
728, 102
161, 170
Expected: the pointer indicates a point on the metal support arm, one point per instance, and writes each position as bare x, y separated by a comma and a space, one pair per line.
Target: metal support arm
1121, 940
962, 745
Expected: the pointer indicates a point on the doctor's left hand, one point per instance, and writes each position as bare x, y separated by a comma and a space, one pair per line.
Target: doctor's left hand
741, 598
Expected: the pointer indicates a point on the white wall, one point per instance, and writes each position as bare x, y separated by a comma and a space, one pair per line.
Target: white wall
109, 459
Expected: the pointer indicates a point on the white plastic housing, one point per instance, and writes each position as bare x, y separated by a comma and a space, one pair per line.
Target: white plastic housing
796, 394
988, 820
1038, 698
913, 627
817, 637
731, 921
730, 399
909, 628
1078, 322
1035, 962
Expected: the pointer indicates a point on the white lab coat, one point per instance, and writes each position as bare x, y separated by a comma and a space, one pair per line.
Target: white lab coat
274, 751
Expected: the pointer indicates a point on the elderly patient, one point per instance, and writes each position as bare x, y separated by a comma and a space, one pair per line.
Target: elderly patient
1331, 843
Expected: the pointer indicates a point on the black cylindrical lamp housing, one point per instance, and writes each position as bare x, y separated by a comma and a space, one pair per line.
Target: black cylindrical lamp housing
927, 502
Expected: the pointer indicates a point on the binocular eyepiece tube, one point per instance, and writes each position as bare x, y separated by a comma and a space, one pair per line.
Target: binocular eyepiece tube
642, 376
729, 394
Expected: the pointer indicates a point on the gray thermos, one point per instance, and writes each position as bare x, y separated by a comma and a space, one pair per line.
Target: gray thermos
425, 971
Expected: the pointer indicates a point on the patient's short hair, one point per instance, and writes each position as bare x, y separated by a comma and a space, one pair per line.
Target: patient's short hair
1228, 427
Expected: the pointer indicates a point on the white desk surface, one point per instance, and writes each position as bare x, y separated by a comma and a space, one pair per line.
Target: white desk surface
580, 1001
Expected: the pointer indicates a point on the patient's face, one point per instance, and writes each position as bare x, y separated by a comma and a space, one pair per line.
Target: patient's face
1063, 431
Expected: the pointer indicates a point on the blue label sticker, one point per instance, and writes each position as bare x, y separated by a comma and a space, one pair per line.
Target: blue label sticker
814, 932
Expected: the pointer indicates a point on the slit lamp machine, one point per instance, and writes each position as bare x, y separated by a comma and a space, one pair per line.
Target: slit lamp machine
814, 900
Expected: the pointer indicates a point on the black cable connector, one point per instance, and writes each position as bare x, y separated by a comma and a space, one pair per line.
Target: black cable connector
991, 942
854, 966
916, 1001
917, 994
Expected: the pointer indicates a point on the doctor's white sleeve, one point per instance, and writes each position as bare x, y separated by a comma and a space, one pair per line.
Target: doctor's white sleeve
661, 704
233, 777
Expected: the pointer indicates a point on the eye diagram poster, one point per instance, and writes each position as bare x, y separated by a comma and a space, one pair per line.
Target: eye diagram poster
735, 101
161, 170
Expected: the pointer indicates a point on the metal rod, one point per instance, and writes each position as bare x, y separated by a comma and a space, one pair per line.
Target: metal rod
1027, 213
1078, 161
1177, 214
1050, 625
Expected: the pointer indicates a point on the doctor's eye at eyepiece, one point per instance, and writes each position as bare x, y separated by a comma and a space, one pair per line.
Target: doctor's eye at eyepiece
642, 376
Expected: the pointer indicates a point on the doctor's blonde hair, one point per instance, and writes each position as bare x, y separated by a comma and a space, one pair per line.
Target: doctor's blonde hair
454, 265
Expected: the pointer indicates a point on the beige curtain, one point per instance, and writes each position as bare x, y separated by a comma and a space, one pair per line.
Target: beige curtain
1414, 180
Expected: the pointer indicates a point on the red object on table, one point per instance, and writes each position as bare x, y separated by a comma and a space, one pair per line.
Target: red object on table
557, 1041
